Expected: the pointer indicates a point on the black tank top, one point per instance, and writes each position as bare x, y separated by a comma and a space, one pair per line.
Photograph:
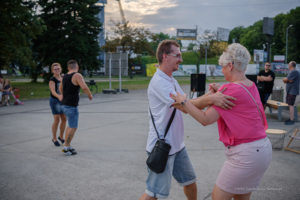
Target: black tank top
70, 91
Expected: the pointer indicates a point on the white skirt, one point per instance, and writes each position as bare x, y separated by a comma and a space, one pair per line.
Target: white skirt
245, 165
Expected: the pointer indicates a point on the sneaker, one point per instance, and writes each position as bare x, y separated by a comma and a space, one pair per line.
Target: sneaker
56, 143
287, 120
69, 151
291, 122
62, 141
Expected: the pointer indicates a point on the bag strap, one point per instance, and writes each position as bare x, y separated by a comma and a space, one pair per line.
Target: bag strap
169, 123
253, 100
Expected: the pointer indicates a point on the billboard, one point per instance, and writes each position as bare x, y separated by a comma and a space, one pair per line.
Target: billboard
279, 58
186, 34
280, 68
223, 34
258, 55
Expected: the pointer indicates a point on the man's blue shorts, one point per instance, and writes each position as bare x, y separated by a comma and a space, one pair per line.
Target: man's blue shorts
179, 166
72, 115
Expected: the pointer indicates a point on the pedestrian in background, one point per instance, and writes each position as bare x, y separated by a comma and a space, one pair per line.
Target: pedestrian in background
292, 90
55, 104
69, 88
265, 83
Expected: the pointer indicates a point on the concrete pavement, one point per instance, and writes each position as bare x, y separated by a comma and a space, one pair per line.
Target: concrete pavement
110, 164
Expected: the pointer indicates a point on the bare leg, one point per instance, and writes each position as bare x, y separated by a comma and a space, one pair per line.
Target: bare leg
69, 135
219, 194
291, 112
190, 191
54, 127
62, 126
146, 197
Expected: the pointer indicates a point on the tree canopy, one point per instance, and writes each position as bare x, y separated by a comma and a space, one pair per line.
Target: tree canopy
253, 38
18, 26
72, 33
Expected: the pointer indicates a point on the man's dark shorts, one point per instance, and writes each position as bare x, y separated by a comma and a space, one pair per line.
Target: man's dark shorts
290, 99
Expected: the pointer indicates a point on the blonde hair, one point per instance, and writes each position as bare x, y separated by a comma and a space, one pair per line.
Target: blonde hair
238, 55
55, 64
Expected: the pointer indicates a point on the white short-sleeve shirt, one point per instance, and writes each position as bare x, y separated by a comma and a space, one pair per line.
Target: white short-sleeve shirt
160, 87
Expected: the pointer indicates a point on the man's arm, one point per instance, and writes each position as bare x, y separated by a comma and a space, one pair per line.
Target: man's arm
285, 80
79, 80
259, 78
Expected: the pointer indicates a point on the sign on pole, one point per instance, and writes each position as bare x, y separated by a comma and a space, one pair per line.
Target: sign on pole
258, 55
186, 34
279, 58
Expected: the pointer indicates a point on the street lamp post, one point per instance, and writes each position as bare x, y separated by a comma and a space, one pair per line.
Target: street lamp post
264, 46
286, 48
271, 51
206, 46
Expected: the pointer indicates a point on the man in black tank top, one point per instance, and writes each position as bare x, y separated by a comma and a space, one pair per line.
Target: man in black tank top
69, 88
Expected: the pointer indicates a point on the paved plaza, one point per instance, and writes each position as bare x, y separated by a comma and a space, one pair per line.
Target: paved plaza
110, 164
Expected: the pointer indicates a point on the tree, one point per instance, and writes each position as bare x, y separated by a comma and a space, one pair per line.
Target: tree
254, 37
236, 34
133, 40
292, 17
18, 26
72, 33
208, 38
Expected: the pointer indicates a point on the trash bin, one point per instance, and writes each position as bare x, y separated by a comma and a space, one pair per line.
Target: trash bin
277, 94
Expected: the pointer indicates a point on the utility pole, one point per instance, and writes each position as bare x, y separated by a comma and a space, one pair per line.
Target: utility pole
271, 51
286, 48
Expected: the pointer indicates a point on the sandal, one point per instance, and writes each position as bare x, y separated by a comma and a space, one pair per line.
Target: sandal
62, 141
56, 143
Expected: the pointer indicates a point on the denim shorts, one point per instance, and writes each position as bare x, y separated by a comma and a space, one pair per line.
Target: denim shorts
55, 106
179, 166
72, 115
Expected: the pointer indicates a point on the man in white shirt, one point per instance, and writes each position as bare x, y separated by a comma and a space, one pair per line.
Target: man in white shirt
162, 105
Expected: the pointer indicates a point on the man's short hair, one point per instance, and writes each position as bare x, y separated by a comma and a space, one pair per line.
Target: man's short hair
165, 48
72, 64
268, 63
293, 63
1, 76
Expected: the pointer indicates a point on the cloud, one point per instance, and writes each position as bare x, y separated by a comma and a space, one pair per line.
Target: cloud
168, 15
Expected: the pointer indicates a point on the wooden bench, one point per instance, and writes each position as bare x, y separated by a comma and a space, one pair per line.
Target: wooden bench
281, 106
293, 137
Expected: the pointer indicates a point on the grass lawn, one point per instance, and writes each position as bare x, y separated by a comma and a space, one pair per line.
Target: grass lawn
40, 90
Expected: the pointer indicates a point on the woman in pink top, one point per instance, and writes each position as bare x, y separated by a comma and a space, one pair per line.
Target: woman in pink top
241, 129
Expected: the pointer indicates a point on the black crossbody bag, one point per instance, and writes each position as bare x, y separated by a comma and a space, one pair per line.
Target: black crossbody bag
159, 155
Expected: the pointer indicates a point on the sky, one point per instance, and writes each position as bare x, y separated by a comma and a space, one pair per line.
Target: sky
168, 15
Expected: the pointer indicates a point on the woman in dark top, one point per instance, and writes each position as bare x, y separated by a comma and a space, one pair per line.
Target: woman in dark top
55, 104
